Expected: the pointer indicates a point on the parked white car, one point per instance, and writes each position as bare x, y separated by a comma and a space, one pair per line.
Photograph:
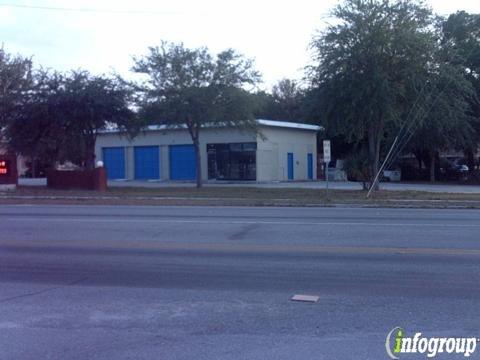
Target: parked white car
392, 175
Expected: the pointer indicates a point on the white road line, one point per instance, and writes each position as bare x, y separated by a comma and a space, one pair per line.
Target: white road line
236, 222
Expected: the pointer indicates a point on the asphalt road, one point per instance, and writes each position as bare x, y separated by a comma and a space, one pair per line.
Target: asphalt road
127, 282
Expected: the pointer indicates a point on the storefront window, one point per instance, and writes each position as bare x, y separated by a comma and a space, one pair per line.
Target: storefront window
234, 161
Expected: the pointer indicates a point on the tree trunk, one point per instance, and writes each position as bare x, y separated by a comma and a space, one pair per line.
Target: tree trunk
90, 154
90, 161
469, 154
418, 156
198, 160
34, 168
432, 167
194, 131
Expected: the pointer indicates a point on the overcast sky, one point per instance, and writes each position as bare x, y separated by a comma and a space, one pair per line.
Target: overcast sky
275, 33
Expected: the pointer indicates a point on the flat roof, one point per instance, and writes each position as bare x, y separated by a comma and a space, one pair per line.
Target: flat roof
261, 122
290, 125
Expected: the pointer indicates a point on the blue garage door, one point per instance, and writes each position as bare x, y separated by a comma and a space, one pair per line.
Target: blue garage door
147, 162
182, 162
290, 166
114, 161
310, 166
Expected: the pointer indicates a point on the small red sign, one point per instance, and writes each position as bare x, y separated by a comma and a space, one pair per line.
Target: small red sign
4, 168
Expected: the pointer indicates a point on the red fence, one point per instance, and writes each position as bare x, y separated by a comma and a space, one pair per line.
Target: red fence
78, 179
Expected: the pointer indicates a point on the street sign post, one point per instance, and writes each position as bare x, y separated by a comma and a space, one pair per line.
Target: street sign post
327, 157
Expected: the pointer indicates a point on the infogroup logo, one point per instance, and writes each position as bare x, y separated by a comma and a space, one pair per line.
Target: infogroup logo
397, 343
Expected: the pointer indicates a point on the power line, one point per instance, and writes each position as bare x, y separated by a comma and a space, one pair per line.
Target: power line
397, 146
91, 10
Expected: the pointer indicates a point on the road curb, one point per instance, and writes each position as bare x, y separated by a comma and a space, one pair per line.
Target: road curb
217, 201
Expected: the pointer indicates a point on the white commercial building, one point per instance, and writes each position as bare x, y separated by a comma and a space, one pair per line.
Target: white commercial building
280, 151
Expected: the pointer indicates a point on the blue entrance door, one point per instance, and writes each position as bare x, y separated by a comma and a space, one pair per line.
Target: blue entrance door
114, 161
290, 166
147, 162
310, 166
182, 162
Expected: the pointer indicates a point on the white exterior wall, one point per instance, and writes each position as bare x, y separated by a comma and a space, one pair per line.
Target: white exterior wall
272, 153
271, 150
163, 139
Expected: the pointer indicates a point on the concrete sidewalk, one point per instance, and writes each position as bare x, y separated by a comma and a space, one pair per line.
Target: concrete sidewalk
337, 185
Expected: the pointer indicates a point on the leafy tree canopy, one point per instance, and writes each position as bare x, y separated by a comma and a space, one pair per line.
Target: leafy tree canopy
367, 66
61, 116
284, 103
193, 88
448, 97
15, 82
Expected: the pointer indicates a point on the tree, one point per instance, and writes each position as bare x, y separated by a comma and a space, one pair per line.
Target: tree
286, 102
367, 65
15, 82
444, 122
63, 114
288, 95
445, 119
91, 103
192, 88
356, 167
38, 131
461, 31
